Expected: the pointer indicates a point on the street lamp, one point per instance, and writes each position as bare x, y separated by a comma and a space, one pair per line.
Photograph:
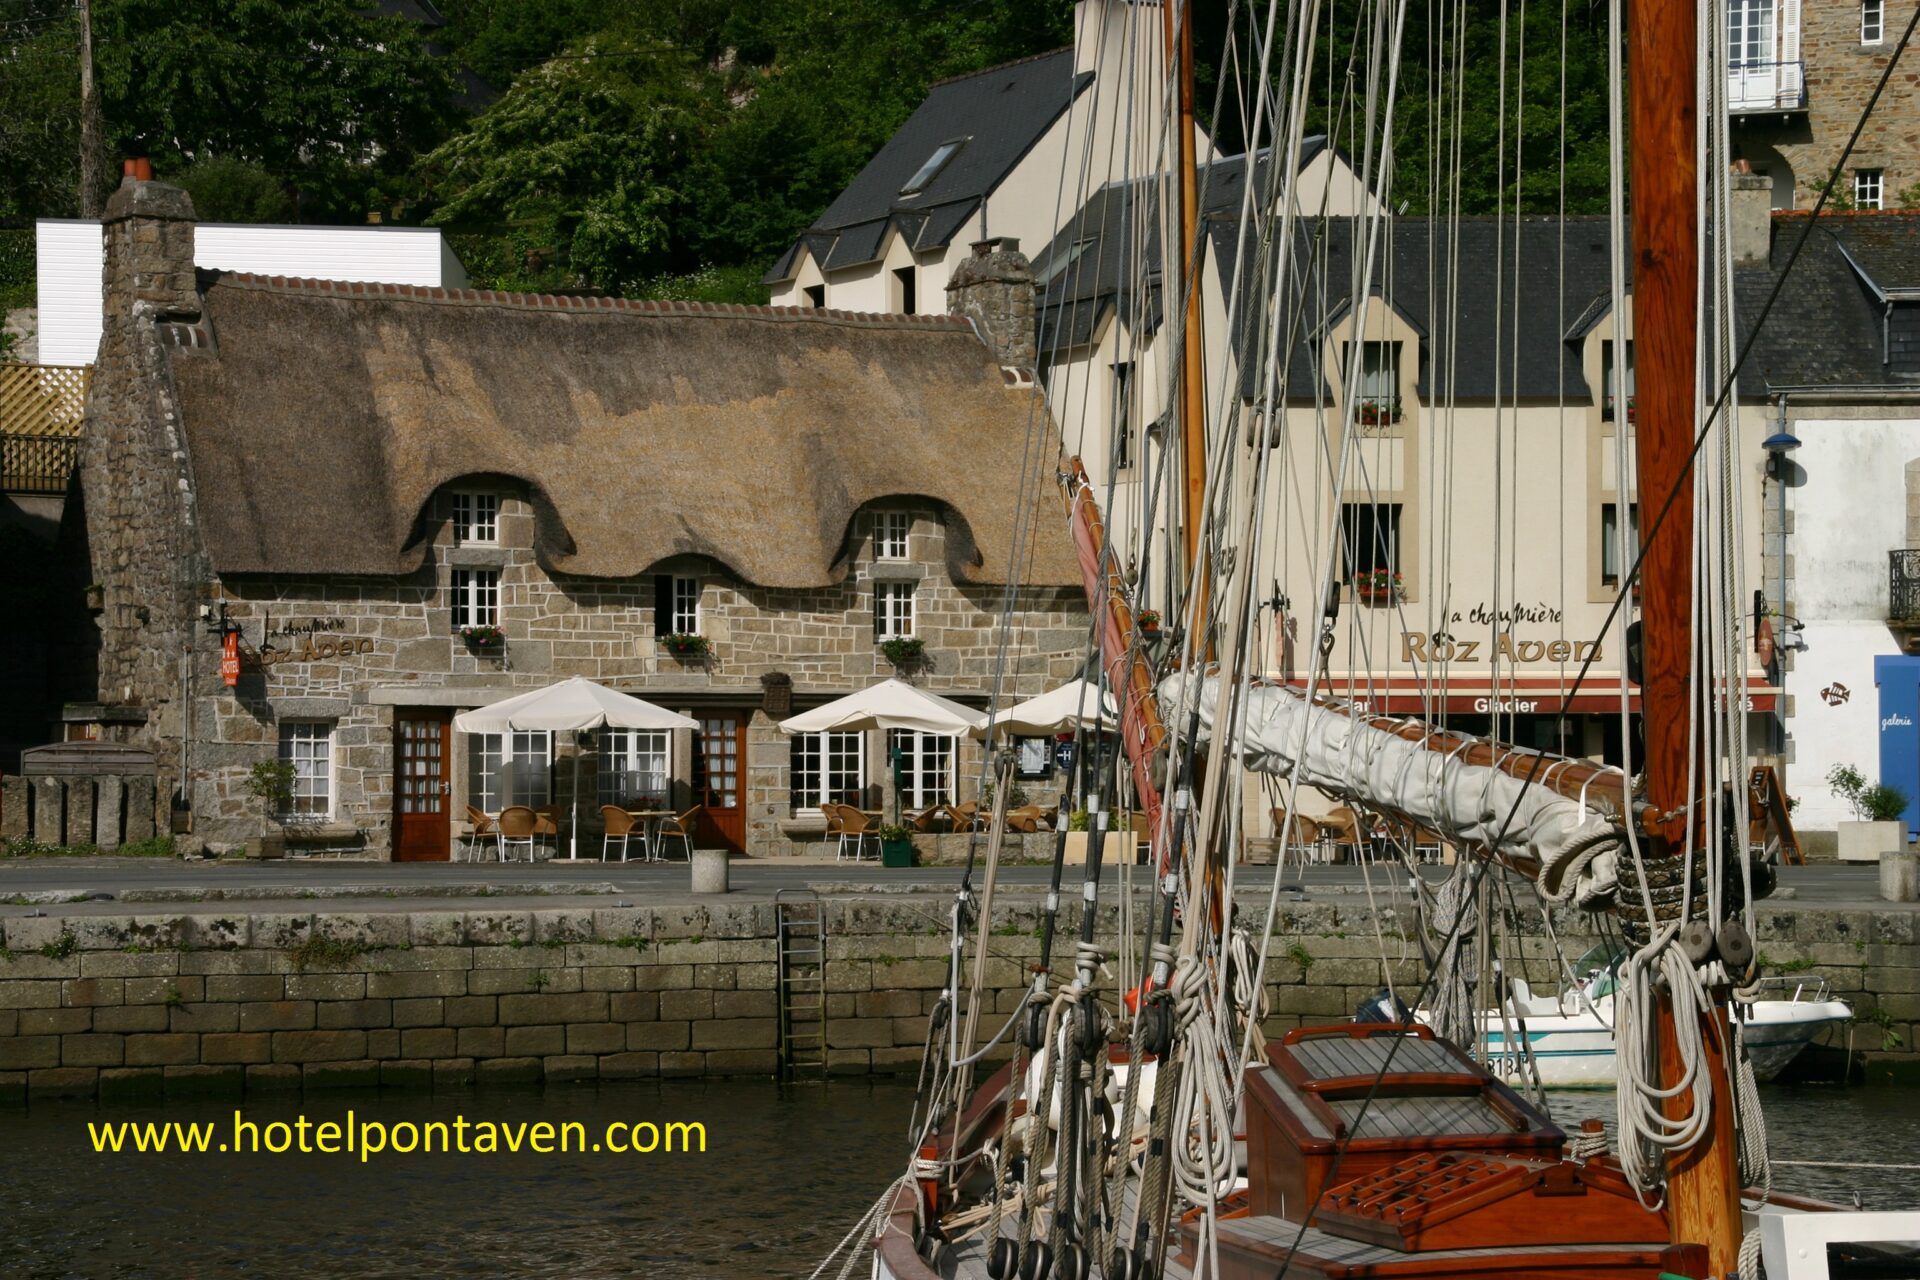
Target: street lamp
1778, 446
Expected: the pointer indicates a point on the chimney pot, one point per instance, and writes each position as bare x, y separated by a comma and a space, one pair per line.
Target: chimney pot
1751, 215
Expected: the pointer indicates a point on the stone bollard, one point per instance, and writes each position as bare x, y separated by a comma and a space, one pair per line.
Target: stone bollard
1900, 877
710, 871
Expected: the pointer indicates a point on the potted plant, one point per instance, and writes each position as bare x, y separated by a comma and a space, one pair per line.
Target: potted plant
484, 637
687, 648
272, 782
896, 845
1877, 827
904, 651
1148, 620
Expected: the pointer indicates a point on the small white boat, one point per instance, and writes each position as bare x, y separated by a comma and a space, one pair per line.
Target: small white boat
1569, 1035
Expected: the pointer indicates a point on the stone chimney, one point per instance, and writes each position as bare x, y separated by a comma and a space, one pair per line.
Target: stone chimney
1750, 213
149, 233
994, 288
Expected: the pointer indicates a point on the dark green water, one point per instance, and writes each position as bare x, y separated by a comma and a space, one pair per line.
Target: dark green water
785, 1172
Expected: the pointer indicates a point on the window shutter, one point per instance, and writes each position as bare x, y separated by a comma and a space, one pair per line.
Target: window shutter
1789, 81
662, 604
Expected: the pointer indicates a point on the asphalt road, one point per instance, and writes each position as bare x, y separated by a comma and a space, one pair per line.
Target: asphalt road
110, 878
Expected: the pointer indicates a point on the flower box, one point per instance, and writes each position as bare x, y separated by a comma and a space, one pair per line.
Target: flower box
484, 637
687, 648
1378, 586
1379, 413
1148, 621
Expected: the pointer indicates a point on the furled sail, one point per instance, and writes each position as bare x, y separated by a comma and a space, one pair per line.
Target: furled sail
1570, 844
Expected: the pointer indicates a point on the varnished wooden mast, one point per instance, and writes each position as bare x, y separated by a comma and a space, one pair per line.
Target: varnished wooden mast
1662, 61
1191, 404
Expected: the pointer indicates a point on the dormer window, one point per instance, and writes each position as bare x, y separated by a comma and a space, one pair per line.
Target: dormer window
1062, 260
476, 519
923, 176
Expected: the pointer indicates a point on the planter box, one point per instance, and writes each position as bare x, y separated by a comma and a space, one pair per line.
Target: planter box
896, 853
1866, 841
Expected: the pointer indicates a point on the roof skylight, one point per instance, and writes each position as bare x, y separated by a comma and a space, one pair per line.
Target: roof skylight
923, 176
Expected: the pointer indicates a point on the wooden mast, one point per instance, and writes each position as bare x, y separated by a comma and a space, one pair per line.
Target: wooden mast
1662, 60
1190, 407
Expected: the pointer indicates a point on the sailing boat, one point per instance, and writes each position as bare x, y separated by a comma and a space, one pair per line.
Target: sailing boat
1169, 1137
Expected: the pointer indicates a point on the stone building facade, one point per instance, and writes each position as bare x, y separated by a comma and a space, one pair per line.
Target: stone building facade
1842, 50
343, 477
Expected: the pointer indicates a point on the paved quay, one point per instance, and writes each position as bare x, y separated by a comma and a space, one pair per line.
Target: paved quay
113, 885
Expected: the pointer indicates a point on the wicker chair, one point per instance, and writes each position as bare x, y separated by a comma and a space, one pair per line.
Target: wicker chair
485, 831
855, 826
1306, 836
548, 826
518, 825
965, 817
1027, 819
619, 827
924, 820
1341, 826
679, 827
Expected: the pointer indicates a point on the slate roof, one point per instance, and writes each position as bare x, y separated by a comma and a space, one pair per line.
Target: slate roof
1079, 295
1531, 291
750, 435
1001, 113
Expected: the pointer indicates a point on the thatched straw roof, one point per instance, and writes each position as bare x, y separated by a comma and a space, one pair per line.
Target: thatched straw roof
322, 417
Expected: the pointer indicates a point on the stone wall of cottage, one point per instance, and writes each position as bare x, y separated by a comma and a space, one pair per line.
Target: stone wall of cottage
1841, 73
142, 543
348, 651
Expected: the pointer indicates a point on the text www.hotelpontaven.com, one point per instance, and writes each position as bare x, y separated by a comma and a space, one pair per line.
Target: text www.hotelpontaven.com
368, 1139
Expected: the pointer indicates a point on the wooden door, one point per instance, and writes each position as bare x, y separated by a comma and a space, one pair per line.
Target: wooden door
422, 786
719, 756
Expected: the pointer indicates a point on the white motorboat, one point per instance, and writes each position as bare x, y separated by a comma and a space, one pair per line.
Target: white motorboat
1565, 1040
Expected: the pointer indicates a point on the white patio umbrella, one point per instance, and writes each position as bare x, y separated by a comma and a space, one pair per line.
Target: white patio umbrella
891, 704
576, 704
1076, 705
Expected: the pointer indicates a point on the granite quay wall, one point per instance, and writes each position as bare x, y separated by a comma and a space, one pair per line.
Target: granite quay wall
138, 1006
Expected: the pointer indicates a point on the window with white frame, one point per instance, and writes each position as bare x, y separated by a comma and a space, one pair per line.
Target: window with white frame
925, 764
1610, 407
827, 768
307, 745
506, 769
892, 610
633, 768
890, 531
475, 598
1610, 561
1873, 21
1378, 402
676, 605
1868, 185
476, 519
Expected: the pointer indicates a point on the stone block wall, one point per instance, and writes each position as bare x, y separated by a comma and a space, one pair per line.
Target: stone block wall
347, 651
105, 809
1841, 73
136, 1006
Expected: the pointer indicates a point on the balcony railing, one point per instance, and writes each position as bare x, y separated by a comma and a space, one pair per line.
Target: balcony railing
1766, 86
41, 409
1903, 586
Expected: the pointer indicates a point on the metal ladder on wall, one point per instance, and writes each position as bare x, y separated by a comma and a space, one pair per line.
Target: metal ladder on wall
801, 926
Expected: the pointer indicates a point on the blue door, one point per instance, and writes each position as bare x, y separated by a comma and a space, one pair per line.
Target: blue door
1898, 677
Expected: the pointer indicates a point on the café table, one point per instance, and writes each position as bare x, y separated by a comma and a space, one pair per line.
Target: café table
651, 820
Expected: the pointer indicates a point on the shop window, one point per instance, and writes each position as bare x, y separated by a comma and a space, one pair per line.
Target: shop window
827, 768
505, 769
308, 747
475, 598
633, 768
925, 765
476, 519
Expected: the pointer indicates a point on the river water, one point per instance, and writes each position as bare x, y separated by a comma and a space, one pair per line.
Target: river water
786, 1170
